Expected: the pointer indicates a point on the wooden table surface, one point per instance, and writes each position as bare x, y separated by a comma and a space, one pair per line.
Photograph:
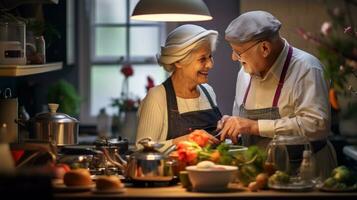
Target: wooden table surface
177, 192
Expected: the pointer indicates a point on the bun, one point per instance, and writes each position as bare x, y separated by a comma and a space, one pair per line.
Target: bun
108, 183
77, 177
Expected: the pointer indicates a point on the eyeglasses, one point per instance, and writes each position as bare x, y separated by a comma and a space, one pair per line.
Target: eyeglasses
238, 55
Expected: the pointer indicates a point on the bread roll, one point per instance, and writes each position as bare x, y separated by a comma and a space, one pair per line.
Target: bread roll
77, 177
108, 183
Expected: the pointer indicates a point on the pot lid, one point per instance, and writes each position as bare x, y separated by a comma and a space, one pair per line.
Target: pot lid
150, 150
54, 116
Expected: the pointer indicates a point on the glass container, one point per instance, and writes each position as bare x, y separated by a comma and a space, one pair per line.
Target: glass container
12, 43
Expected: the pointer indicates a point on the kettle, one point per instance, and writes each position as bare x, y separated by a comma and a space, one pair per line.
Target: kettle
57, 128
149, 164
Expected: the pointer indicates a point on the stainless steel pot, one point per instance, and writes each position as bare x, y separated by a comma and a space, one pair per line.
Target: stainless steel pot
150, 165
57, 128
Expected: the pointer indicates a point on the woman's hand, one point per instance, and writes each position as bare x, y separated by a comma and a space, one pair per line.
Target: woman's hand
232, 126
201, 137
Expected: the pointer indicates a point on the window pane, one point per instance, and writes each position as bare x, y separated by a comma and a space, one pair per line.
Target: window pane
144, 41
110, 41
110, 11
106, 84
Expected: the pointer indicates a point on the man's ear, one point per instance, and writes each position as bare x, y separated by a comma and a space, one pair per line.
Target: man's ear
266, 48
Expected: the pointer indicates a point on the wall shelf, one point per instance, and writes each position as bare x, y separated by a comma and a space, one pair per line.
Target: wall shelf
24, 70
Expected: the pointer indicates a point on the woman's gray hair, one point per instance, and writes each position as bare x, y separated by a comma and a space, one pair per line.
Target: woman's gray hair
182, 41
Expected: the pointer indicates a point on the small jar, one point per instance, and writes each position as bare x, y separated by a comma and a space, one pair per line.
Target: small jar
36, 50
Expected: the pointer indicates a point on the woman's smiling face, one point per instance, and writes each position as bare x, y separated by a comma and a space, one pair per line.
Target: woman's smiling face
201, 62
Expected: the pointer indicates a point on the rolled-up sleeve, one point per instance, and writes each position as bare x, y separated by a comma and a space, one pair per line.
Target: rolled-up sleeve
311, 115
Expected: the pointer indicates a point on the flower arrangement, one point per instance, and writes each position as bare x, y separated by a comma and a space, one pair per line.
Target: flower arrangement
337, 49
126, 103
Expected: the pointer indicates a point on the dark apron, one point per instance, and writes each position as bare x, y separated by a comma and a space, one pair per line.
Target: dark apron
295, 151
182, 124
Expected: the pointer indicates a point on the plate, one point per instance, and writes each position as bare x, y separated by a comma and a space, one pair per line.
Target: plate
95, 177
112, 191
293, 186
64, 188
326, 189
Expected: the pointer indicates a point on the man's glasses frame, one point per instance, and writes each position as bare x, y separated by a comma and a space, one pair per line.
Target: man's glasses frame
239, 55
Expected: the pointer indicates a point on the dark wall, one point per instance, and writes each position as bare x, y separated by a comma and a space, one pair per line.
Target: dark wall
224, 73
32, 90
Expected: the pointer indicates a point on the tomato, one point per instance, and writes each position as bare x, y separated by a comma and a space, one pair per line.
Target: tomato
198, 137
215, 156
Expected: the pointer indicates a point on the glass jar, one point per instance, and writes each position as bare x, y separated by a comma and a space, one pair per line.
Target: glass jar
286, 152
35, 49
12, 43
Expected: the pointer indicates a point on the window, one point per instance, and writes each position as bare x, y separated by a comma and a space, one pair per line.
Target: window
109, 39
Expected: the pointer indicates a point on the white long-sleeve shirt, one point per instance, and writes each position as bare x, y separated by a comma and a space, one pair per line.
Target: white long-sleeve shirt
303, 104
152, 113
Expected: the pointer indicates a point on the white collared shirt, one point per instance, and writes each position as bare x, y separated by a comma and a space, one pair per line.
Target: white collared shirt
303, 104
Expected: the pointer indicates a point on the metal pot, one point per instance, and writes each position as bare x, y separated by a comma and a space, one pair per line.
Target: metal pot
57, 128
150, 165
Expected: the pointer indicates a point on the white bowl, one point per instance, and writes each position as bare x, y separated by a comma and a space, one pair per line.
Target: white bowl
211, 179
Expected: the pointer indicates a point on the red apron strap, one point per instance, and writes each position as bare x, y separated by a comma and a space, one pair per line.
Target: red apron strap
247, 91
281, 81
282, 77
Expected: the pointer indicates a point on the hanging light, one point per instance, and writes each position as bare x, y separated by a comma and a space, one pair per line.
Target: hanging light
171, 10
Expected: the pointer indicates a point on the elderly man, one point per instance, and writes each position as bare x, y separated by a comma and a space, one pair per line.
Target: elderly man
280, 89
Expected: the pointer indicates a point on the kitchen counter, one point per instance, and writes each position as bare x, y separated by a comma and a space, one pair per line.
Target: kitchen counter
177, 192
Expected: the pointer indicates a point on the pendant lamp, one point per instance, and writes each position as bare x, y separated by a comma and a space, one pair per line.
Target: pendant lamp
171, 10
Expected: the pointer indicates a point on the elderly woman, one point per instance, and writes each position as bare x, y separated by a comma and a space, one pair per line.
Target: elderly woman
184, 103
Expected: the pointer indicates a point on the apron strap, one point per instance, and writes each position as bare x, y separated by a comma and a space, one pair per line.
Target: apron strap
214, 107
247, 90
207, 95
172, 108
281, 81
282, 77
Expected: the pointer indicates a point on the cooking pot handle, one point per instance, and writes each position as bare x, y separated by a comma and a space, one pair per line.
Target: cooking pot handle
144, 140
169, 150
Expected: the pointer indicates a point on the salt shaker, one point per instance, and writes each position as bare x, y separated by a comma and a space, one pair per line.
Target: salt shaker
307, 167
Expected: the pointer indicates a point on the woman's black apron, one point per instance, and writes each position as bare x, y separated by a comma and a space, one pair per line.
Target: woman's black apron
182, 124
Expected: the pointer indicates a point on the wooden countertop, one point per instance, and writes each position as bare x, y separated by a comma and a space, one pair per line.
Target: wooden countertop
177, 192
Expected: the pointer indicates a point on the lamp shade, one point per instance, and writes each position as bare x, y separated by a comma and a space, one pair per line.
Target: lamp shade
171, 10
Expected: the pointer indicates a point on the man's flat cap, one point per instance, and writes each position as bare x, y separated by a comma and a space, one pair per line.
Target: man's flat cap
250, 26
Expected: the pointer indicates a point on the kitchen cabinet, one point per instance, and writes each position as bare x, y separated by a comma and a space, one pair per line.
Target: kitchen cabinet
24, 70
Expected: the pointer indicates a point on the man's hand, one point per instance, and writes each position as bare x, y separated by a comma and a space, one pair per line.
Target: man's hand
232, 126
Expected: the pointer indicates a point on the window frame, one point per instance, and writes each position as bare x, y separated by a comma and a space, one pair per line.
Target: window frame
86, 55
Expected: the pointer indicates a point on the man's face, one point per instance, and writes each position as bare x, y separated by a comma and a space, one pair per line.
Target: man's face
250, 56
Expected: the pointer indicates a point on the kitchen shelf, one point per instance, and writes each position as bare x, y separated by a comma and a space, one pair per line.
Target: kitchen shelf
24, 70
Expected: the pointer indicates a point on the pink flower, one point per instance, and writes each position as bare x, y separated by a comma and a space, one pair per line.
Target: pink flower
326, 28
347, 29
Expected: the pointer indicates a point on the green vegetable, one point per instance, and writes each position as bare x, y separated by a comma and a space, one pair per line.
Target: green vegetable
260, 159
330, 182
279, 178
343, 175
247, 174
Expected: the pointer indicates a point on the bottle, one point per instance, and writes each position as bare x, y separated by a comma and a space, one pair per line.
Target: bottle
23, 117
7, 163
307, 167
104, 124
